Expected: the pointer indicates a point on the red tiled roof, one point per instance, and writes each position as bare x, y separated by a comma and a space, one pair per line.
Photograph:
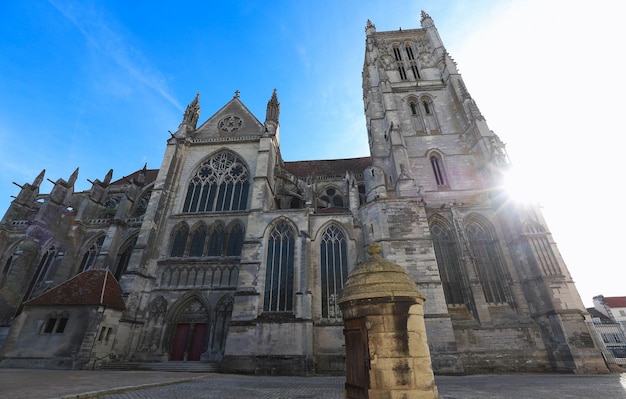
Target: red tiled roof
91, 287
329, 167
151, 175
615, 301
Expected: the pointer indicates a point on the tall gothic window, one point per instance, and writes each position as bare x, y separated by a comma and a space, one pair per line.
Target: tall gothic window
440, 175
449, 262
334, 264
124, 257
46, 263
488, 262
180, 242
90, 256
221, 184
279, 273
538, 248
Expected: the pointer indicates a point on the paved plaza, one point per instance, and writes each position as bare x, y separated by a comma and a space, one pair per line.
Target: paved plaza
46, 384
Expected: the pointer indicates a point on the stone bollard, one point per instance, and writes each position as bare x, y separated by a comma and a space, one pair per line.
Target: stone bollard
387, 355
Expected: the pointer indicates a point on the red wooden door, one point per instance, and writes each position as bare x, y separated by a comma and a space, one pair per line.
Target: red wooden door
198, 342
180, 342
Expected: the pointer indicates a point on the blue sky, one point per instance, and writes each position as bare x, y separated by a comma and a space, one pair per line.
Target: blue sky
98, 84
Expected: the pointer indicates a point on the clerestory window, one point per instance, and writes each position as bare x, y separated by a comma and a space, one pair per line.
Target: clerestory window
90, 256
220, 184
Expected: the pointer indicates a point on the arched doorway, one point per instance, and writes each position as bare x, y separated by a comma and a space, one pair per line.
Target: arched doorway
189, 331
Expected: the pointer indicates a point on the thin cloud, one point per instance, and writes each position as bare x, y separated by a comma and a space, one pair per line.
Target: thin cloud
100, 34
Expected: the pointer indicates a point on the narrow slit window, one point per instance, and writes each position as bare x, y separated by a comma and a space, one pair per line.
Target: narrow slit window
397, 54
440, 176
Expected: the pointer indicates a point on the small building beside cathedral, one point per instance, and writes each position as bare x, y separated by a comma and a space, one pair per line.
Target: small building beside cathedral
229, 255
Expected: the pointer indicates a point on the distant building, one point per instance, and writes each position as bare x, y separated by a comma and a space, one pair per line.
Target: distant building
229, 254
613, 307
609, 336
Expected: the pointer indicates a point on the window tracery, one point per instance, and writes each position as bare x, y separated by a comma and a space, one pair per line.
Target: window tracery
278, 294
220, 184
488, 261
89, 258
334, 270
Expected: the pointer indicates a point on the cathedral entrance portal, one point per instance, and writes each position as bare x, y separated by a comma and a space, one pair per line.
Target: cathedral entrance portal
189, 333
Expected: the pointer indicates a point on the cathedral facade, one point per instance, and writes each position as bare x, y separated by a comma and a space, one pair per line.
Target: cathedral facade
229, 255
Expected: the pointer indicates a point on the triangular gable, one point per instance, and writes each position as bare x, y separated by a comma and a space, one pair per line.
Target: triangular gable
91, 288
233, 120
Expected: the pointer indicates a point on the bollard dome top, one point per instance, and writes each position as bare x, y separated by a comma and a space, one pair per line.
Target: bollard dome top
378, 278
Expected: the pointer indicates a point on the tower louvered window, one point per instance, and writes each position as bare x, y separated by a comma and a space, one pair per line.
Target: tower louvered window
334, 265
279, 269
221, 184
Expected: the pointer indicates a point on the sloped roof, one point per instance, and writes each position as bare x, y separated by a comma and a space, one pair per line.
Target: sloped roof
151, 175
597, 314
615, 301
89, 288
329, 167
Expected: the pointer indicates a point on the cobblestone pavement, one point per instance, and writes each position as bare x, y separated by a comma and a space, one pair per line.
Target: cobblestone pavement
46, 384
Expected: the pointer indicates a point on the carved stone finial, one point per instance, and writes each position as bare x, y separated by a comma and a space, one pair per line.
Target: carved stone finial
273, 108
73, 178
108, 177
374, 250
369, 24
424, 16
236, 94
39, 179
141, 177
464, 93
192, 113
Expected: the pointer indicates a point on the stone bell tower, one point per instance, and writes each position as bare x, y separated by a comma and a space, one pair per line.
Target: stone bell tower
490, 270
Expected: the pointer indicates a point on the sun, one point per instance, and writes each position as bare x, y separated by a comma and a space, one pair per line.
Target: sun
519, 186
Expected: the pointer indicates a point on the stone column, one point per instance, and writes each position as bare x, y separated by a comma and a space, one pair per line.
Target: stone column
387, 356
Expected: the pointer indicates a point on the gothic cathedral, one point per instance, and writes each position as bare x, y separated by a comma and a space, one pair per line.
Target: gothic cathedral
228, 255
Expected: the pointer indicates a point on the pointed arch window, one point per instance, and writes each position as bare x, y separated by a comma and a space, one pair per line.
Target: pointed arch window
235, 240
334, 270
45, 264
48, 260
221, 184
216, 240
124, 257
90, 256
279, 269
198, 240
180, 242
488, 261
440, 174
449, 263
